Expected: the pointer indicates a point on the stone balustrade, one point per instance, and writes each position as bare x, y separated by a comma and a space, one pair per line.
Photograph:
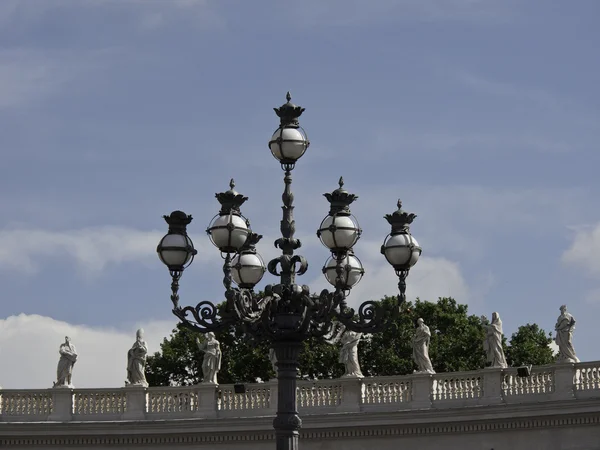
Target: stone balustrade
371, 394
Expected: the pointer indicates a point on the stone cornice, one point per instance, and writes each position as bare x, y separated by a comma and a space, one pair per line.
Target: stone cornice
342, 425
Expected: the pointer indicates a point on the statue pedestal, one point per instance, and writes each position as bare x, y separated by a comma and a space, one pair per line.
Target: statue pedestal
62, 404
136, 403
351, 394
207, 400
422, 387
492, 386
564, 380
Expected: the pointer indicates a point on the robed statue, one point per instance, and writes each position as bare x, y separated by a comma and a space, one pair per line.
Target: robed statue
493, 342
64, 371
565, 325
349, 350
136, 361
420, 346
211, 364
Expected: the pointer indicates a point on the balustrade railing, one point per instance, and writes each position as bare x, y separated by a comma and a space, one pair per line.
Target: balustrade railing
386, 390
98, 402
458, 387
421, 391
540, 382
172, 400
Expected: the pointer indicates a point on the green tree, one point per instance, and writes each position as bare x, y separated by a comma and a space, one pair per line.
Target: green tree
179, 362
456, 339
530, 345
456, 345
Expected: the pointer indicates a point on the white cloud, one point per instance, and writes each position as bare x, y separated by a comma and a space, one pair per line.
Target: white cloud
147, 14
90, 249
29, 351
429, 279
504, 89
28, 75
351, 12
584, 252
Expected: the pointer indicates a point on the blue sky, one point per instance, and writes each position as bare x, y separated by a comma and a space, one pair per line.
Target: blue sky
481, 115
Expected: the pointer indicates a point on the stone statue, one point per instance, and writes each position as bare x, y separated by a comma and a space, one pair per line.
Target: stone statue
211, 364
64, 371
493, 341
565, 325
273, 359
349, 350
136, 362
349, 353
421, 348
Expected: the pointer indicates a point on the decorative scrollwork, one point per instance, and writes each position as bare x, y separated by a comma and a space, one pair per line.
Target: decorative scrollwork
206, 317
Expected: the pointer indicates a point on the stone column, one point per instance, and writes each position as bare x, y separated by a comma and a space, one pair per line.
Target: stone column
136, 403
564, 381
351, 394
492, 386
422, 390
62, 405
207, 400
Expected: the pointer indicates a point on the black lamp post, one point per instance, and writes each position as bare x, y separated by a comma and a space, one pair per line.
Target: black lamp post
288, 313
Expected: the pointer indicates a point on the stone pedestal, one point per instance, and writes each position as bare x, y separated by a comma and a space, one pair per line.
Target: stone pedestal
351, 394
136, 403
564, 380
422, 389
62, 404
492, 386
207, 400
273, 396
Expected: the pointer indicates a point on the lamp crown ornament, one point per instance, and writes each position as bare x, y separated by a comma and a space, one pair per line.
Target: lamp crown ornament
178, 222
230, 200
288, 113
400, 220
250, 244
340, 200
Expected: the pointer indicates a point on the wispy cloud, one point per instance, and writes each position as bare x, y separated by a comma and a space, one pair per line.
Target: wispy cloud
28, 75
456, 143
91, 250
584, 251
357, 12
146, 14
506, 89
102, 351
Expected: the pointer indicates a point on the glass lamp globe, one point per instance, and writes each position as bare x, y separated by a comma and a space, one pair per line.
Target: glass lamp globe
288, 144
176, 251
228, 232
352, 270
248, 269
401, 250
339, 232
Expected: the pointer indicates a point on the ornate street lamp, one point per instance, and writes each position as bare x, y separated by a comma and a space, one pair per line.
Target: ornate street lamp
288, 313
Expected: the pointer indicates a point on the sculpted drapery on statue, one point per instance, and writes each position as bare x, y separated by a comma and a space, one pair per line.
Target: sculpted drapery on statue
211, 364
349, 350
421, 348
493, 342
136, 362
64, 371
349, 353
565, 325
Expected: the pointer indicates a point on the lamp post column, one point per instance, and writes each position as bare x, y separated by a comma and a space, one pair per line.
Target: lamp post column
287, 422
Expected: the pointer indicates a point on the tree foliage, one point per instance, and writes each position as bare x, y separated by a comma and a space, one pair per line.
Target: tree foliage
530, 345
456, 345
